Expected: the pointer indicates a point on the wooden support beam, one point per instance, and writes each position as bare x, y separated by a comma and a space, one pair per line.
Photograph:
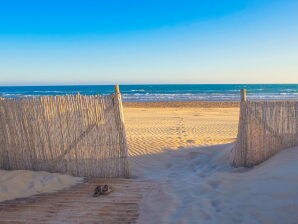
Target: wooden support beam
119, 118
116, 89
243, 95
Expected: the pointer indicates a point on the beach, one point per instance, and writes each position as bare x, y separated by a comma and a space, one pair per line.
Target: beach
149, 112
152, 128
156, 127
184, 149
179, 157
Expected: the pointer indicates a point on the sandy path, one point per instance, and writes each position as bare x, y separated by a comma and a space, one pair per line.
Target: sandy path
197, 185
193, 182
154, 129
76, 205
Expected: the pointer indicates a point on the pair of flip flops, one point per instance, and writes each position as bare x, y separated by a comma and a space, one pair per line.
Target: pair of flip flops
102, 190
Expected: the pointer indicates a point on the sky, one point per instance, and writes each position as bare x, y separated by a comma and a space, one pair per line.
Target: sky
137, 42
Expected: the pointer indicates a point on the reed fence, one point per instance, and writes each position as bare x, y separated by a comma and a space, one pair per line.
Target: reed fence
73, 134
265, 128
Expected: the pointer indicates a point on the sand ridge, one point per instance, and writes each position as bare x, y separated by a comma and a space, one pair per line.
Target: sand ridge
25, 183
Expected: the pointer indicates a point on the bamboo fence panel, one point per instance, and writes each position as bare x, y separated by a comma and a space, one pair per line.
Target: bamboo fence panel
73, 134
265, 128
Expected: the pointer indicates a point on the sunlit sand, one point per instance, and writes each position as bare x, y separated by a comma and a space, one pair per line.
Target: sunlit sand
185, 152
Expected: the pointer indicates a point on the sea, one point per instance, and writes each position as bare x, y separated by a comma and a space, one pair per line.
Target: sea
172, 92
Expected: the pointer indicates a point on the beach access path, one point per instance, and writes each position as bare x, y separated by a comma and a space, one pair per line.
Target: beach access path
76, 205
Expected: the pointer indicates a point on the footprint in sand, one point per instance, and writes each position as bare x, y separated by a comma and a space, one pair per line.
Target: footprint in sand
214, 183
190, 141
216, 204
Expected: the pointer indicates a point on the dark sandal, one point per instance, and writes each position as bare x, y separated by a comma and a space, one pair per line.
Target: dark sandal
102, 190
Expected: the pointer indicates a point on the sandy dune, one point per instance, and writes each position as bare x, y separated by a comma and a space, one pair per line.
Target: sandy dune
24, 183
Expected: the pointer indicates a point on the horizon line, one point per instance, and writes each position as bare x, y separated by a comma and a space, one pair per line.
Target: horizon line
135, 84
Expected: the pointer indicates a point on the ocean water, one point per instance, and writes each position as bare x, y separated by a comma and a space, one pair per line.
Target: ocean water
150, 93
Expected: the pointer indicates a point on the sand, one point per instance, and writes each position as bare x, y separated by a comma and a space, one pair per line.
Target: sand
155, 127
198, 186
184, 151
23, 183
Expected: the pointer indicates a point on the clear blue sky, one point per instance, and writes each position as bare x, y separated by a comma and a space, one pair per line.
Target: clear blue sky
127, 42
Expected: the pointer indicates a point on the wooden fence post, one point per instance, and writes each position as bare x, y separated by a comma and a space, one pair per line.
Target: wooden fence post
240, 148
243, 95
119, 117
